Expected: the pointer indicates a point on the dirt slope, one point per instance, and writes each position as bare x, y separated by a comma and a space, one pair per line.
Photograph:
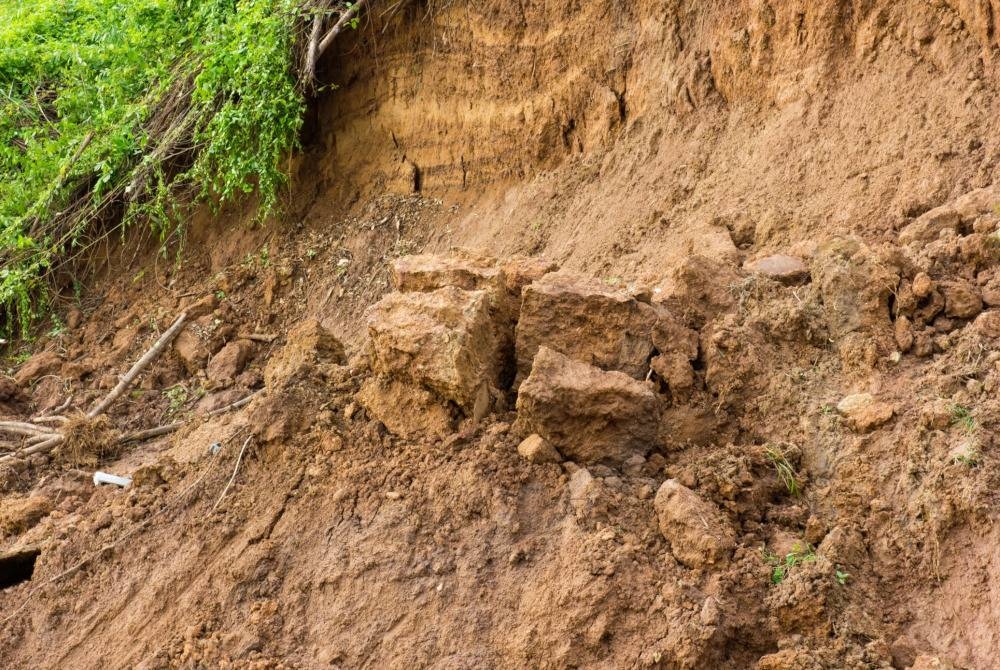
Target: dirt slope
656, 147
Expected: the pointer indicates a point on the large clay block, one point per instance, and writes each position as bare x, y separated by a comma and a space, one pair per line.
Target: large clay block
520, 271
699, 535
406, 410
588, 414
587, 320
445, 340
429, 272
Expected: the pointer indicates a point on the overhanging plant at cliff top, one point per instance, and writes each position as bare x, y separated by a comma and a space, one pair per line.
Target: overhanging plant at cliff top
114, 112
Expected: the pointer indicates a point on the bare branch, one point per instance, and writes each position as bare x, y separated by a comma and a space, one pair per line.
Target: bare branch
147, 358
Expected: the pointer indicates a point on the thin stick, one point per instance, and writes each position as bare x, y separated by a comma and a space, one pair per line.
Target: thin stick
338, 26
266, 338
239, 459
139, 366
236, 405
150, 433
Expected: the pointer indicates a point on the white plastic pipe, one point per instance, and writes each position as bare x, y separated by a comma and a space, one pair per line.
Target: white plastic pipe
107, 478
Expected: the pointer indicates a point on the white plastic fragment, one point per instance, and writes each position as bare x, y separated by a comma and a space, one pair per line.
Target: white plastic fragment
108, 478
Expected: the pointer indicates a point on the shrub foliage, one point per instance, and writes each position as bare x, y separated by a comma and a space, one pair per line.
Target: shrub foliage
114, 112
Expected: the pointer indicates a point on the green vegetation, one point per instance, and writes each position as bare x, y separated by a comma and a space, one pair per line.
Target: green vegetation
117, 112
963, 417
782, 566
786, 473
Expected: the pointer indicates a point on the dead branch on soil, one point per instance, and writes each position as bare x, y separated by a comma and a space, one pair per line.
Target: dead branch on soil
89, 434
140, 365
239, 460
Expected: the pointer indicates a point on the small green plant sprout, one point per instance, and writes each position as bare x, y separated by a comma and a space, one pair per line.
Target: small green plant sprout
828, 409
967, 454
781, 567
177, 396
841, 577
354, 21
786, 473
265, 257
58, 327
311, 253
963, 417
220, 294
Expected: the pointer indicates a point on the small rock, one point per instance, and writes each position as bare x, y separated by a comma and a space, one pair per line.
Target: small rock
536, 449
698, 534
787, 270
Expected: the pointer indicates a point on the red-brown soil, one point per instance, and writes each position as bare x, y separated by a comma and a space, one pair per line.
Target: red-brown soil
655, 147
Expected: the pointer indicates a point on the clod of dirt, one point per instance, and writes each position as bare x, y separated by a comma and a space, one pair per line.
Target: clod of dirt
699, 289
855, 285
39, 365
22, 514
308, 345
863, 413
699, 536
587, 320
445, 341
588, 414
12, 398
961, 300
787, 270
987, 324
87, 440
226, 365
407, 410
536, 449
520, 271
963, 210
191, 350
